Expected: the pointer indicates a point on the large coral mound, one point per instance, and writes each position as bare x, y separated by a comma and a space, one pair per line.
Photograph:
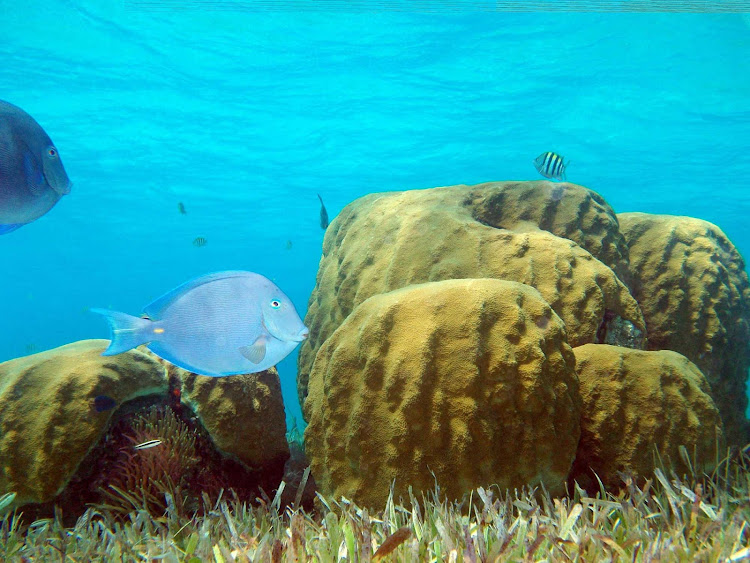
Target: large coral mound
470, 380
565, 210
244, 414
636, 403
48, 422
693, 289
383, 242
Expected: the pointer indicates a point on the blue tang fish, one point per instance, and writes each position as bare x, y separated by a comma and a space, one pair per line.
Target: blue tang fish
32, 177
220, 324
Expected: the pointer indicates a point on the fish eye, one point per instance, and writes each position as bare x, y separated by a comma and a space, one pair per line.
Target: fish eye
275, 303
52, 151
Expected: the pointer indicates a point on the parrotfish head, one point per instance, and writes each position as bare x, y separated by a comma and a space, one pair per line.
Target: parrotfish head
281, 319
38, 145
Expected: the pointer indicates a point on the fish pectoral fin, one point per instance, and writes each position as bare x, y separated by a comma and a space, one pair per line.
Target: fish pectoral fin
34, 177
256, 351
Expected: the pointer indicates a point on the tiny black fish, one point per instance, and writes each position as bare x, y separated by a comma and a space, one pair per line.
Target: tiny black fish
200, 241
181, 207
323, 214
288, 245
551, 165
104, 403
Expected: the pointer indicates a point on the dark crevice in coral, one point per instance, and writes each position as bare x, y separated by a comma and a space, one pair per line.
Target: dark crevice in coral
617, 331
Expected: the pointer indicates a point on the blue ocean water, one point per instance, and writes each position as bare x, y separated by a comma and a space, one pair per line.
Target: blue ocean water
245, 115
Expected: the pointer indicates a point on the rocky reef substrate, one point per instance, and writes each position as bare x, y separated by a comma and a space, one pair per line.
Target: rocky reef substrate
519, 333
71, 420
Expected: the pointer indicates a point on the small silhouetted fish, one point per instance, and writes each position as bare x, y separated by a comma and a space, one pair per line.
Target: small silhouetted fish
147, 445
323, 214
288, 245
104, 403
181, 207
551, 165
32, 177
31, 348
199, 241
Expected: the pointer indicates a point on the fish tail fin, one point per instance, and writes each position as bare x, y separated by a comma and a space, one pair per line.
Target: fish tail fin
127, 331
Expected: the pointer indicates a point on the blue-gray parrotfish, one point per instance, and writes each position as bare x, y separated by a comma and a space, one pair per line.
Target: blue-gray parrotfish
32, 177
551, 165
220, 324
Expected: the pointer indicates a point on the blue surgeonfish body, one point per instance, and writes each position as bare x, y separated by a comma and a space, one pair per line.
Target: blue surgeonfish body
221, 324
32, 177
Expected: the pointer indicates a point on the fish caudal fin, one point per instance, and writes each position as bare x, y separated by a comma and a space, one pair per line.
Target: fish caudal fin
127, 331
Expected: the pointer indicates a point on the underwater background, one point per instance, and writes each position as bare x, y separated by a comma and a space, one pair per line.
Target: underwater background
244, 115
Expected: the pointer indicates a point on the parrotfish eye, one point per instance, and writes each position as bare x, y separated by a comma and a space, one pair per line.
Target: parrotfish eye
52, 152
275, 304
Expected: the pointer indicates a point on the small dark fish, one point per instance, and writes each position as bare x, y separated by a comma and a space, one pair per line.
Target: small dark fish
181, 207
104, 403
32, 177
323, 214
551, 165
288, 245
147, 445
200, 241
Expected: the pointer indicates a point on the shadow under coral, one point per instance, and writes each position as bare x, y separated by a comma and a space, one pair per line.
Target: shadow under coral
177, 473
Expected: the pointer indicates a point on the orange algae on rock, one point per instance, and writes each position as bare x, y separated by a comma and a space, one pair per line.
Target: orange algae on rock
387, 241
471, 380
638, 402
47, 420
692, 287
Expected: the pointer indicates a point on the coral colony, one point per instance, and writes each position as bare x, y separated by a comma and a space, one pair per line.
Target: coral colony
501, 372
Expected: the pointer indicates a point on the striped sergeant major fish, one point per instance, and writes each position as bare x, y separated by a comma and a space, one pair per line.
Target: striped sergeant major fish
551, 165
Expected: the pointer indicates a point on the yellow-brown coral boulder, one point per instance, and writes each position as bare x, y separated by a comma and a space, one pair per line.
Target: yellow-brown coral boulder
694, 293
244, 414
565, 210
48, 422
387, 241
636, 403
470, 382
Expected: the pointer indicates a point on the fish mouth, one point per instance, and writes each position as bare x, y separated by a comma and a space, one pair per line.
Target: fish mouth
57, 178
61, 187
302, 335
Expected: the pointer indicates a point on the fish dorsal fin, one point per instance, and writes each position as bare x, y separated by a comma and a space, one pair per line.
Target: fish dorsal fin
155, 308
256, 351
